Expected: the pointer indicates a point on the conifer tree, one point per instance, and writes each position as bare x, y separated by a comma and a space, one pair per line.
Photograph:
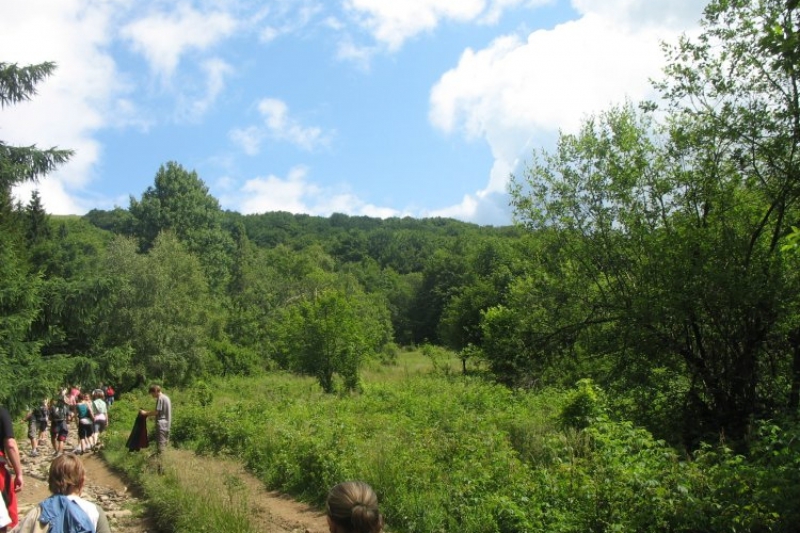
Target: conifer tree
20, 295
24, 163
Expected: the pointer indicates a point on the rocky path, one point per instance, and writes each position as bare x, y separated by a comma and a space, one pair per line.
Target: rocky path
270, 511
103, 486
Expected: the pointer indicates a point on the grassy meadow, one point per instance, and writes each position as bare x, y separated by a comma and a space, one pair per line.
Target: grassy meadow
447, 452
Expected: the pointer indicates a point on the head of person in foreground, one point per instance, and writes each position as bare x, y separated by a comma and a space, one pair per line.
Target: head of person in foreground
66, 475
352, 507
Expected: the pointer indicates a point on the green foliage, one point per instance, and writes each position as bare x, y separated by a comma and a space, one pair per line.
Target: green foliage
118, 221
234, 360
161, 309
450, 454
21, 286
203, 393
439, 358
37, 223
19, 306
304, 443
334, 333
492, 265
179, 202
583, 406
389, 354
659, 233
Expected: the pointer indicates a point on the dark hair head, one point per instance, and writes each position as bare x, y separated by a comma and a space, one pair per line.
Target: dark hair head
66, 475
353, 508
154, 389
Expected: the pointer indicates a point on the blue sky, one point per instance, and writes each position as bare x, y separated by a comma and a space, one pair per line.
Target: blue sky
366, 107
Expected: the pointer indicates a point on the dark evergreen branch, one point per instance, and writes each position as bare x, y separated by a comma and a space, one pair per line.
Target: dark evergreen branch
19, 83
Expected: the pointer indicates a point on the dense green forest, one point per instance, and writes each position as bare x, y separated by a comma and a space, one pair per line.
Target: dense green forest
652, 253
653, 256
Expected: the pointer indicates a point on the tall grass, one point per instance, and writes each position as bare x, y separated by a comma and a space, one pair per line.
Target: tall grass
439, 451
447, 452
187, 497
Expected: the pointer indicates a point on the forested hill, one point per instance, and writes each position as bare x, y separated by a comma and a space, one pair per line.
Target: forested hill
400, 243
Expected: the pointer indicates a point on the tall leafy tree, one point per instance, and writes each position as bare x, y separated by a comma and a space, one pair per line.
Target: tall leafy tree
37, 222
490, 270
179, 201
668, 232
253, 296
75, 287
161, 314
332, 333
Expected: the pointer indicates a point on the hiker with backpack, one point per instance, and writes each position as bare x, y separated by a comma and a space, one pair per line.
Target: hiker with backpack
100, 409
37, 426
85, 416
65, 510
60, 416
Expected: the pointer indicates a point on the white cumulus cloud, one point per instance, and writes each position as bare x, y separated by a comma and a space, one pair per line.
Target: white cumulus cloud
215, 72
297, 194
163, 37
518, 94
248, 139
278, 124
392, 22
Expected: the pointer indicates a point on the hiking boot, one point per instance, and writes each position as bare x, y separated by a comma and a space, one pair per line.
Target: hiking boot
34, 453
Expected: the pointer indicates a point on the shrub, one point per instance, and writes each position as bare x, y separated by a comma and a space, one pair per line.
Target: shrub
583, 406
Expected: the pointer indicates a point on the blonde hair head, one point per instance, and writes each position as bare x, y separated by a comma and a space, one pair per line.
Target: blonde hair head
353, 508
66, 475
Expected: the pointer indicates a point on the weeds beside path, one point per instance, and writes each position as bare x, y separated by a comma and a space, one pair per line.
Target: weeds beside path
193, 489
234, 487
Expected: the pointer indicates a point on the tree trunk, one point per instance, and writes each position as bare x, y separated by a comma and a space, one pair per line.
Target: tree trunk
794, 395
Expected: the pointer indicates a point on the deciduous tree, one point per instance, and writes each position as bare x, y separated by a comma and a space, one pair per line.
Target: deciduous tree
673, 227
179, 202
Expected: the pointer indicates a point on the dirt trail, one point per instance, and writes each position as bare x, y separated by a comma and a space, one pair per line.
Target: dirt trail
103, 487
269, 511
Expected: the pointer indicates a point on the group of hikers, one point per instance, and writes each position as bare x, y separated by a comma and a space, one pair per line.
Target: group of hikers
90, 412
88, 409
351, 507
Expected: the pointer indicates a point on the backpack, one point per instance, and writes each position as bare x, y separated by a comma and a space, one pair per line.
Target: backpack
99, 406
40, 413
60, 413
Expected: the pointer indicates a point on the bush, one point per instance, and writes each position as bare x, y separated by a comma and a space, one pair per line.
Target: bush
583, 406
457, 454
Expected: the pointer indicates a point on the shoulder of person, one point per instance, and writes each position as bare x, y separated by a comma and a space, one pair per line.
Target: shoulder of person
102, 522
30, 522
